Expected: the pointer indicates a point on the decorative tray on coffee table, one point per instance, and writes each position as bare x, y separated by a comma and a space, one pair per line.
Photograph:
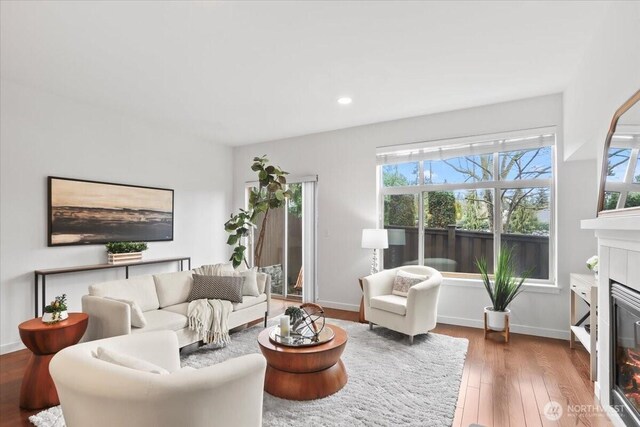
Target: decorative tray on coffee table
301, 340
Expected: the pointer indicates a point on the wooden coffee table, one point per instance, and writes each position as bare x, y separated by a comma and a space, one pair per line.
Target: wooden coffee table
304, 373
44, 341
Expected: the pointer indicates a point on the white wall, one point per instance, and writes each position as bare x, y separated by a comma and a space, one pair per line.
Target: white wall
608, 75
43, 134
345, 162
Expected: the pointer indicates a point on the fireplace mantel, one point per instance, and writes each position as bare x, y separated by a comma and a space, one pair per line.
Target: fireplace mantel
619, 252
612, 223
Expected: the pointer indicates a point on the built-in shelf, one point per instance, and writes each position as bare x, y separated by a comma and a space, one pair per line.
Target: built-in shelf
583, 336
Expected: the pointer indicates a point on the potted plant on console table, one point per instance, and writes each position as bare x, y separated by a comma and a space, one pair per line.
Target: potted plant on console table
123, 252
505, 288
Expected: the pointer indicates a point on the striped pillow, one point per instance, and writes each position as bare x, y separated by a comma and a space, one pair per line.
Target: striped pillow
216, 287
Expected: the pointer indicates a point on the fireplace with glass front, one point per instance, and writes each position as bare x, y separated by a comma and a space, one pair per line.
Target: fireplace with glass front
625, 352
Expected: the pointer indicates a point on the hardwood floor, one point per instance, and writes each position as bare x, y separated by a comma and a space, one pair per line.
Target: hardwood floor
510, 384
12, 367
502, 384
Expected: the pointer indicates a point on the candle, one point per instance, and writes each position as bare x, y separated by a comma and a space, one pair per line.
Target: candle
284, 326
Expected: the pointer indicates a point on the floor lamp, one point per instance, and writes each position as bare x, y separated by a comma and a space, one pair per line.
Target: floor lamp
374, 238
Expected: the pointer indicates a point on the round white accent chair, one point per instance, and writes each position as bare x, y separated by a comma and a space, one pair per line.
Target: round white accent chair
101, 394
413, 315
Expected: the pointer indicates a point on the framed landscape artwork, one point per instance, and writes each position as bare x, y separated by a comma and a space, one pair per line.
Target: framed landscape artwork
90, 212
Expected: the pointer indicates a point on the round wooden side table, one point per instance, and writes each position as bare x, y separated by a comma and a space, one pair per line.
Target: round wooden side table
45, 340
304, 373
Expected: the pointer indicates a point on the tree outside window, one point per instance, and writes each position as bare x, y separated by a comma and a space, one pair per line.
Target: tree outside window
467, 215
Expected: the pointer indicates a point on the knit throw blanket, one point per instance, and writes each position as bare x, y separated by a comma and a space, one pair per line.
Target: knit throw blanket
209, 318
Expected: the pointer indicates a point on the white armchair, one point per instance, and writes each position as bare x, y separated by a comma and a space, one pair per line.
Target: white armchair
413, 315
97, 393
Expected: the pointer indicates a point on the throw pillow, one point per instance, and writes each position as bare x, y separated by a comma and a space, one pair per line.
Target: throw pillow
216, 287
221, 269
404, 281
250, 285
127, 361
137, 316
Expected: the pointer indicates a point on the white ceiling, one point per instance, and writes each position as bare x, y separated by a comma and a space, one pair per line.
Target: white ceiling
243, 72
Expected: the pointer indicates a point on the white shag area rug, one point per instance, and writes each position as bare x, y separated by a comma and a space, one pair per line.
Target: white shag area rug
391, 383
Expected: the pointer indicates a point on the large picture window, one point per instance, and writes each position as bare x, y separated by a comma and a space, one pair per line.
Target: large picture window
449, 203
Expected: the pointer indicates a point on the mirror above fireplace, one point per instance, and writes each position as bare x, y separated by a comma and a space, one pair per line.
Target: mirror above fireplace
620, 177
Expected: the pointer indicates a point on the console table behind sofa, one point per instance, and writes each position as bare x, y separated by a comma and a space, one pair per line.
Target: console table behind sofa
51, 271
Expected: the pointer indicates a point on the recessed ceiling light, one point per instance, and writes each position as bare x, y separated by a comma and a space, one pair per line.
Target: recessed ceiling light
345, 100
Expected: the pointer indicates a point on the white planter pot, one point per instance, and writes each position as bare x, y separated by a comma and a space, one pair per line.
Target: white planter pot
54, 317
496, 319
124, 258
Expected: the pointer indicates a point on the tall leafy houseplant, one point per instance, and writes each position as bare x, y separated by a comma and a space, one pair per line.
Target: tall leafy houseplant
505, 288
271, 193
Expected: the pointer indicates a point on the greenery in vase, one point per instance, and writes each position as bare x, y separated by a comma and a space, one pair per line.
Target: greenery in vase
57, 305
592, 264
506, 285
271, 193
125, 247
294, 313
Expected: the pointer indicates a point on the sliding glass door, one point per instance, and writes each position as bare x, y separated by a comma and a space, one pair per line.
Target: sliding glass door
293, 248
288, 252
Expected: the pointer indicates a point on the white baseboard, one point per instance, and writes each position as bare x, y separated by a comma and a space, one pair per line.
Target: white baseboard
339, 305
11, 347
472, 323
519, 329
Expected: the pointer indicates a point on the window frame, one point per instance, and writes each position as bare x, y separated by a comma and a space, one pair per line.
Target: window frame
496, 185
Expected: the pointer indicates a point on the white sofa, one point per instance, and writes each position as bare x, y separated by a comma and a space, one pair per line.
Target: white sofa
101, 394
413, 315
163, 300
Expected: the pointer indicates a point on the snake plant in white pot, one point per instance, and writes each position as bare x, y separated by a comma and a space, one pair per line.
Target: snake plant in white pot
505, 288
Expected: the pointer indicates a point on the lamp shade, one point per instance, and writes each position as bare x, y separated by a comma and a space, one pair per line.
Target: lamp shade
375, 238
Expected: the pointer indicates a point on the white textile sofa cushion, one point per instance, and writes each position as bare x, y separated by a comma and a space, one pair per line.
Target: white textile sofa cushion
101, 394
413, 315
163, 300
